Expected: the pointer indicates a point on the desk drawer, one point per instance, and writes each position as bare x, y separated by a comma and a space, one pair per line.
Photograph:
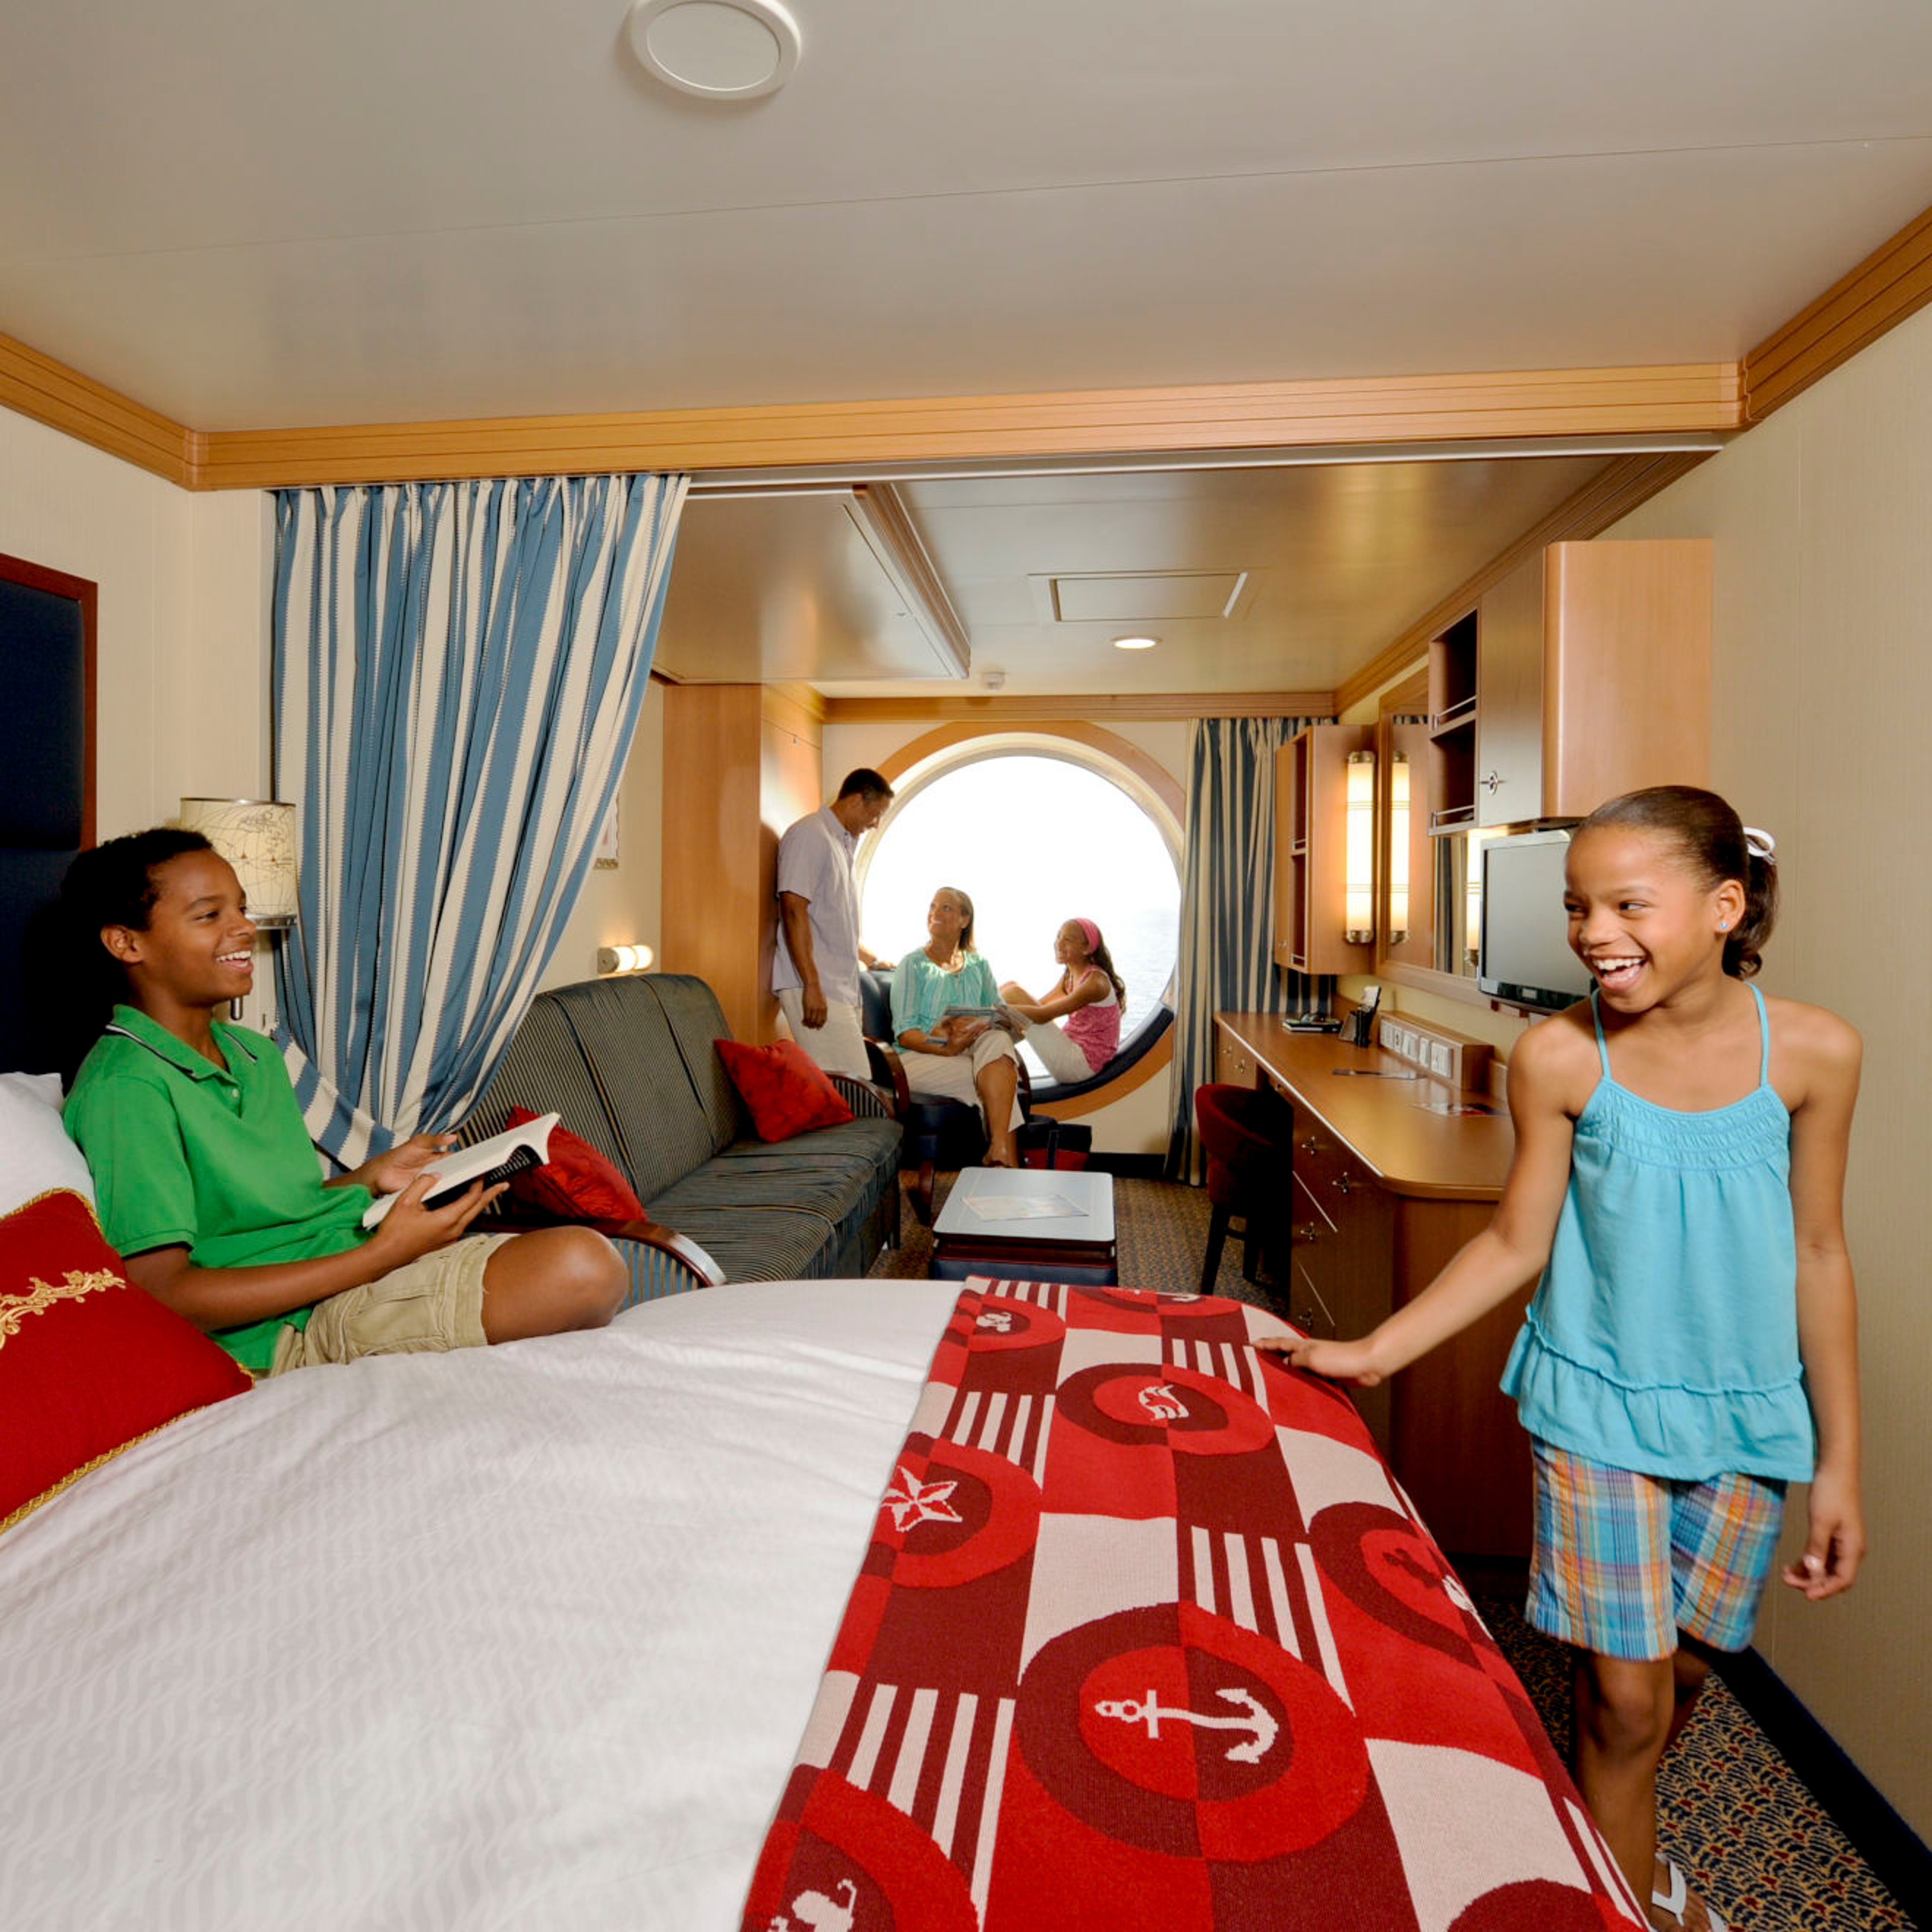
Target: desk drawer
1332, 1175
1235, 1065
1306, 1308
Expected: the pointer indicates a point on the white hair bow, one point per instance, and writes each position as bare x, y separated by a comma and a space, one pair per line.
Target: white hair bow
1760, 845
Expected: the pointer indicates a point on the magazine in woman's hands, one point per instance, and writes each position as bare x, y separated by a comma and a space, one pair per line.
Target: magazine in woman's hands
491, 1161
1000, 1015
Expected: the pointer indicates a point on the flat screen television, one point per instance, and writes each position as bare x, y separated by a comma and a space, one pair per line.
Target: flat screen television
1523, 954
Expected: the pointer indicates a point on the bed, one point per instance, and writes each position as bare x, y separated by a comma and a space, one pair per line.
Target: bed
531, 1637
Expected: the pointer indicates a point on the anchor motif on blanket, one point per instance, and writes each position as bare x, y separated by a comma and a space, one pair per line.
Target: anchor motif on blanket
1163, 1404
1150, 1711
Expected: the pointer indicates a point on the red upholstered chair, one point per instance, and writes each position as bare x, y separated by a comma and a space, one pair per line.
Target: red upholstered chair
1249, 1134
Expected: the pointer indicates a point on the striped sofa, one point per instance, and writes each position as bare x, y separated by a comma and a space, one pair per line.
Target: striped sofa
629, 1063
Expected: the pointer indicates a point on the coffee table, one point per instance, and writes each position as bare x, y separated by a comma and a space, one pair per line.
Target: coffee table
1027, 1224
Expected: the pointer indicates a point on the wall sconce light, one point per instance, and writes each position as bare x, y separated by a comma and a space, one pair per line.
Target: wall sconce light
257, 837
1359, 873
624, 958
1398, 848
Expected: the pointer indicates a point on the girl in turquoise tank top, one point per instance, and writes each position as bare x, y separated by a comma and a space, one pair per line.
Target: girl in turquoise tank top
1691, 1346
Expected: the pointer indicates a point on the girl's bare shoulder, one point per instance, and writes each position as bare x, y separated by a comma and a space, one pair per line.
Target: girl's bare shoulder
1812, 1039
1558, 1056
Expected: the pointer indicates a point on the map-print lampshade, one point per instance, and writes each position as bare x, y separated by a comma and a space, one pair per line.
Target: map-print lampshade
257, 837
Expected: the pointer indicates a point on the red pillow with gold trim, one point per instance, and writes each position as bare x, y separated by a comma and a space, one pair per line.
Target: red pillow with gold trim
576, 1182
786, 1091
89, 1362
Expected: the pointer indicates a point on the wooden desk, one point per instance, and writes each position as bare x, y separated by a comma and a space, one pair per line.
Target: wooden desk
1383, 1193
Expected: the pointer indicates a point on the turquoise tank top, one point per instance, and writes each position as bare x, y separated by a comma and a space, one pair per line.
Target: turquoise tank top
1663, 1336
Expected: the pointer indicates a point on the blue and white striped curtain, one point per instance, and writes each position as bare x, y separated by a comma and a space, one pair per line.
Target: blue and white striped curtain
458, 669
1227, 908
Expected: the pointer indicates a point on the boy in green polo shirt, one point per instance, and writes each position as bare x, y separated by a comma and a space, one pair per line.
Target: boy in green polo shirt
206, 1181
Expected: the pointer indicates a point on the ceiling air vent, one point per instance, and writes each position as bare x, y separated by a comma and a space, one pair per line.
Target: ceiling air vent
1143, 596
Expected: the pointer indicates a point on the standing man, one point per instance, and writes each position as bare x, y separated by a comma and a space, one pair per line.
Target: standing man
815, 971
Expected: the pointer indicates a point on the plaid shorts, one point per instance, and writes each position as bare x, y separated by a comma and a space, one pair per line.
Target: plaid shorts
1624, 1561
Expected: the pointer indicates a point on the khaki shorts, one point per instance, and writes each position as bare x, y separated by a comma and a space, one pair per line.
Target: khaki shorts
839, 1044
434, 1303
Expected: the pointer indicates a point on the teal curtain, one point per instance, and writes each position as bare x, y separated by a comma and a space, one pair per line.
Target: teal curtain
1227, 909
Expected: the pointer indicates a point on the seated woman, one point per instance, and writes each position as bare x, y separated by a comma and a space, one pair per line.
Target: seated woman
1088, 995
967, 1059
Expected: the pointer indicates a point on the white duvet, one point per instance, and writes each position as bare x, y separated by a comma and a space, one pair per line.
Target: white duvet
521, 1637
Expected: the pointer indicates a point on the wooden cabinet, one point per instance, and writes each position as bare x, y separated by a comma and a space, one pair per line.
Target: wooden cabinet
1384, 1194
1311, 788
1509, 698
1585, 672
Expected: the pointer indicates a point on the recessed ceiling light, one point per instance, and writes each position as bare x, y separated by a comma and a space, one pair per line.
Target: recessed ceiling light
718, 50
1134, 643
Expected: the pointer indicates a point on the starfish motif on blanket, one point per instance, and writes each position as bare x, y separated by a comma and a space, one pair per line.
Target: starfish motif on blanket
14, 1309
913, 1502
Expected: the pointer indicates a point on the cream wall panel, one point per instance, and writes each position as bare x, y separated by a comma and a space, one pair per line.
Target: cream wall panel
622, 906
180, 668
1822, 687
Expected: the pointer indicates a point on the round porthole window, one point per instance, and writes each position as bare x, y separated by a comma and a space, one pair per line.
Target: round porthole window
1035, 840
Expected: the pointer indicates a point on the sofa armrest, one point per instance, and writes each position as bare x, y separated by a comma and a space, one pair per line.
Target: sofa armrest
889, 1073
868, 1099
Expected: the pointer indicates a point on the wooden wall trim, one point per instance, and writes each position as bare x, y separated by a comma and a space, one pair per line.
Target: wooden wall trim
1893, 282
50, 392
1001, 714
1610, 495
1690, 397
796, 708
1149, 770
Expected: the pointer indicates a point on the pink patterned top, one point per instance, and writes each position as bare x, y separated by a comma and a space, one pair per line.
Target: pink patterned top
1095, 1028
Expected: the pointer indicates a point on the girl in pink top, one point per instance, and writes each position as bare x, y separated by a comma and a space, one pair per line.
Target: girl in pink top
1087, 995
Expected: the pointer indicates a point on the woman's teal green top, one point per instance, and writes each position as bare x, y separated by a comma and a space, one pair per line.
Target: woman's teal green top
1663, 1337
922, 991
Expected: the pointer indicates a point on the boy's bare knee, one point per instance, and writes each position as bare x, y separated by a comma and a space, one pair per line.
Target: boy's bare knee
591, 1276
552, 1281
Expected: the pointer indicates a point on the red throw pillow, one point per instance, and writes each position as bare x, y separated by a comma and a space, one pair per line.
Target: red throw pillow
786, 1090
88, 1363
577, 1182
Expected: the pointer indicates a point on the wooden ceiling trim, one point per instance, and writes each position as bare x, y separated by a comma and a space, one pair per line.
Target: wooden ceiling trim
1616, 490
1893, 282
1266, 416
50, 392
1081, 730
1016, 714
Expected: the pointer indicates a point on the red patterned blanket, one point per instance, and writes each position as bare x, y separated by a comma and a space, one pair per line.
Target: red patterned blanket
1148, 1640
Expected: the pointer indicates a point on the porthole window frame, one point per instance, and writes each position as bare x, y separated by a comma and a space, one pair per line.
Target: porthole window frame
916, 766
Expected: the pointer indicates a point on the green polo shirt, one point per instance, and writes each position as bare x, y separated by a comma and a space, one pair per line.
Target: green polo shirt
185, 1155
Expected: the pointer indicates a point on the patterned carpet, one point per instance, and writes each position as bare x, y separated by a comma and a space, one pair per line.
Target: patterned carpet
1730, 1811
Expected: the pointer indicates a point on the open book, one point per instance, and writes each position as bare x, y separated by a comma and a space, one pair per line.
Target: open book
496, 1159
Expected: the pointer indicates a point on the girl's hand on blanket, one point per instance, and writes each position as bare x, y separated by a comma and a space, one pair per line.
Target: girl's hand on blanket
410, 1230
1836, 1543
1338, 1361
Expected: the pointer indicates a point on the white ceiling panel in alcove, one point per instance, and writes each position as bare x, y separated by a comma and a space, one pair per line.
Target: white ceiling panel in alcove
1334, 561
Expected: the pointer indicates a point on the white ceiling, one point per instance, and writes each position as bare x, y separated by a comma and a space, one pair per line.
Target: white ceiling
249, 215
